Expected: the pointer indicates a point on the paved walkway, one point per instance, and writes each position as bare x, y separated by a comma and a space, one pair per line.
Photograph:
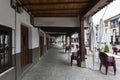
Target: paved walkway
54, 66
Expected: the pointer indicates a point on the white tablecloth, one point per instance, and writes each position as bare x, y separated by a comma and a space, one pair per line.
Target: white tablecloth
116, 56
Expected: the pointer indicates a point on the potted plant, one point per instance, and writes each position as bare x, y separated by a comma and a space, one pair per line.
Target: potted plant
106, 49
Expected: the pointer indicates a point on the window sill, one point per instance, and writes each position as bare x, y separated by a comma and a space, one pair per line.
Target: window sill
1, 74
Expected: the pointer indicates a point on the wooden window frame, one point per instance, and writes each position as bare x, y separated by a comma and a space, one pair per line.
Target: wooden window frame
6, 48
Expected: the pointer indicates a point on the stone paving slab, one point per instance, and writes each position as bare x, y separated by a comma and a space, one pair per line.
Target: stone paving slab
54, 66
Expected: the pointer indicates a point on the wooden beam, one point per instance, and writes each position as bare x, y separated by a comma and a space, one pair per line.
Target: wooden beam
54, 10
96, 7
57, 12
54, 3
89, 6
77, 8
56, 15
56, 6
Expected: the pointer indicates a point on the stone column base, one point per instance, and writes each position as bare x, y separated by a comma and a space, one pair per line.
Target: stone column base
81, 64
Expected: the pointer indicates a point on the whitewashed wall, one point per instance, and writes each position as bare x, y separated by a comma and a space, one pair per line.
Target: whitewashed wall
57, 21
7, 18
6, 14
35, 37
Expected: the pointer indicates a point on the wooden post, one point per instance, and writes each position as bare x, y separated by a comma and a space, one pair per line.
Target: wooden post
81, 61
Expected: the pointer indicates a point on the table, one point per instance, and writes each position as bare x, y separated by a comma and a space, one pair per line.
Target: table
116, 56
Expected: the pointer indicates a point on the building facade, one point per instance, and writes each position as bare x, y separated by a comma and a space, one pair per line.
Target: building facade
113, 24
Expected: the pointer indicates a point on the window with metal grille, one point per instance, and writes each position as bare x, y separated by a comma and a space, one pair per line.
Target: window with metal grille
5, 48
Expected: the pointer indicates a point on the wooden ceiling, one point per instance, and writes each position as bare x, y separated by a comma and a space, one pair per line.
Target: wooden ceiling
63, 8
58, 8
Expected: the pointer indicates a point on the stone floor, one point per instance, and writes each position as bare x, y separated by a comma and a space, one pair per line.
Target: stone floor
55, 66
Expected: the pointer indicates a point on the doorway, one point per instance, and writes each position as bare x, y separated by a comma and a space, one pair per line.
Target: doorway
41, 45
25, 60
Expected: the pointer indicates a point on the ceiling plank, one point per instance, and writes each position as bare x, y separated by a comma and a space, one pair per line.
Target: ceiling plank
55, 12
56, 15
56, 6
32, 10
46, 2
78, 8
32, 4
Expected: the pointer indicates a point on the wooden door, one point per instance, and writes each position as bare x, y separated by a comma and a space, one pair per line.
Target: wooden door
41, 45
24, 46
47, 41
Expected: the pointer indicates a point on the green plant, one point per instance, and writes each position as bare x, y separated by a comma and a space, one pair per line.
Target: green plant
86, 45
106, 49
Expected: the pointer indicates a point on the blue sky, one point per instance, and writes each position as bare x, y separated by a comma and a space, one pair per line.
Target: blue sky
112, 10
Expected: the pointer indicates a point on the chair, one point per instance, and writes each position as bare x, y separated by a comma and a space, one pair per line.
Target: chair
77, 47
67, 48
107, 61
115, 50
119, 50
72, 46
74, 56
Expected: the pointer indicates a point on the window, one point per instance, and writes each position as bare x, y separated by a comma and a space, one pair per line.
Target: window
114, 23
5, 48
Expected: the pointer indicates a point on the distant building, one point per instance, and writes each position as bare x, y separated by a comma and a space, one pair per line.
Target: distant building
113, 24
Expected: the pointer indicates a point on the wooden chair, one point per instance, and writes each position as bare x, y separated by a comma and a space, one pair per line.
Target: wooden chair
74, 56
77, 46
107, 61
67, 48
115, 50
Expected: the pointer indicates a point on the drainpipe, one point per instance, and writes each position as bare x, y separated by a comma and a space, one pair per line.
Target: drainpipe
15, 42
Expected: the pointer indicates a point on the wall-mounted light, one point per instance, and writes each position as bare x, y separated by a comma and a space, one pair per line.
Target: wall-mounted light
13, 3
17, 6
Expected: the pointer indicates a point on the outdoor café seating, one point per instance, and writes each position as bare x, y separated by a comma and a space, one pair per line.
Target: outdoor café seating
67, 48
74, 56
107, 61
115, 50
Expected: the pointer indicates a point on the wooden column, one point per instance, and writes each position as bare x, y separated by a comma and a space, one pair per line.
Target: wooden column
81, 61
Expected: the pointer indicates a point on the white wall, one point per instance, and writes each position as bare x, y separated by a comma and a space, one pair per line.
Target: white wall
7, 18
35, 38
6, 14
57, 21
24, 19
